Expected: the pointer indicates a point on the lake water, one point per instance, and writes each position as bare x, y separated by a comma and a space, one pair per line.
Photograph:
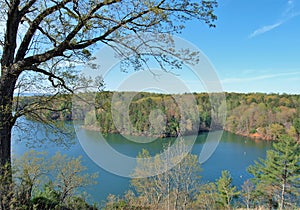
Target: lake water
234, 153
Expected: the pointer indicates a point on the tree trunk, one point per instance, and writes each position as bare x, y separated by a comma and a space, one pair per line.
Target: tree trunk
284, 177
270, 202
7, 84
5, 163
175, 200
281, 205
5, 145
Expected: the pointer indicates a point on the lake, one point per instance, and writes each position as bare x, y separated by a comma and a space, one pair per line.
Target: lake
234, 153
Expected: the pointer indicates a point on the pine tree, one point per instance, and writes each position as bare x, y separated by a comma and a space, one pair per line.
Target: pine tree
277, 177
296, 124
226, 192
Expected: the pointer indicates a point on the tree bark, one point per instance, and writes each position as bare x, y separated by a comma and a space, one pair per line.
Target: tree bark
284, 177
6, 124
7, 84
5, 144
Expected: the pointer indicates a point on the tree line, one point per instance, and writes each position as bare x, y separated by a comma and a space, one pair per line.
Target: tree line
257, 115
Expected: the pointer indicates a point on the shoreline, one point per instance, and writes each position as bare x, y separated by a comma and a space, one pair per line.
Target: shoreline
254, 136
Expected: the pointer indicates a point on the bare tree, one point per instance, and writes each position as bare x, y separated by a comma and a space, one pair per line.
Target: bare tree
247, 193
172, 189
69, 177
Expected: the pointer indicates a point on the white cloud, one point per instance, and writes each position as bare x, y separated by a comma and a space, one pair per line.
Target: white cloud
265, 29
261, 77
286, 15
289, 7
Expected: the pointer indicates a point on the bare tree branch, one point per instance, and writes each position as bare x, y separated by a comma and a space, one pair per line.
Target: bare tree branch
26, 8
52, 76
34, 26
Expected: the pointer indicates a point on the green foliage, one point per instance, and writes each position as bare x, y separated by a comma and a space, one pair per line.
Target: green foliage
277, 177
275, 130
265, 116
226, 192
47, 198
129, 202
40, 182
252, 131
296, 124
207, 197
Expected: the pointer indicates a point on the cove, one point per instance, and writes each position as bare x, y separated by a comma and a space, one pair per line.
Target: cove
234, 153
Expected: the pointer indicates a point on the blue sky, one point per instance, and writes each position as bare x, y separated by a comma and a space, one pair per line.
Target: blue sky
255, 46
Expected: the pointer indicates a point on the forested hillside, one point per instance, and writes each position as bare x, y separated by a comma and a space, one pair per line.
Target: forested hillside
258, 115
263, 116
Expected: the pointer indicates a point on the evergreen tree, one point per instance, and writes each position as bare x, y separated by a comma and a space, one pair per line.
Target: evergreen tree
277, 177
226, 192
296, 124
207, 197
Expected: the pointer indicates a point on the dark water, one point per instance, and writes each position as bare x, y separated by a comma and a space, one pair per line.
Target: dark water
234, 153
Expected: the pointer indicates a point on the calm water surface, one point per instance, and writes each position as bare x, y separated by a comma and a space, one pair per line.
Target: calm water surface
234, 153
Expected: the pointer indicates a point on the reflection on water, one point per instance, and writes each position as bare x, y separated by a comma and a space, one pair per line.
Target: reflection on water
234, 153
